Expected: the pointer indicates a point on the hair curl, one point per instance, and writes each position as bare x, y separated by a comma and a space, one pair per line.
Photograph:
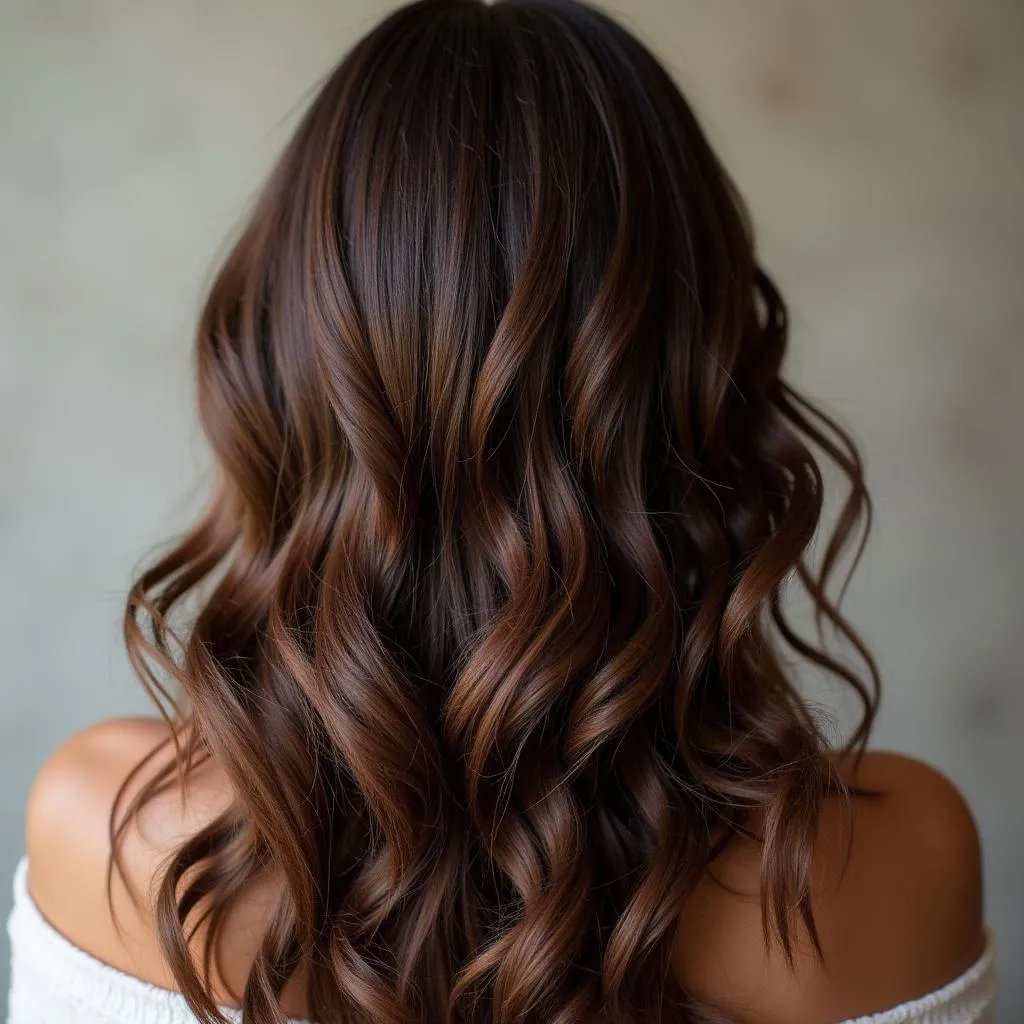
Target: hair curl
484, 620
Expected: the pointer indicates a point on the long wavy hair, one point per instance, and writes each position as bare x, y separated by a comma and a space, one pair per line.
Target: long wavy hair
485, 623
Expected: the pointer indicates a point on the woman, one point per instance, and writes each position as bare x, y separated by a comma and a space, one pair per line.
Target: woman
472, 673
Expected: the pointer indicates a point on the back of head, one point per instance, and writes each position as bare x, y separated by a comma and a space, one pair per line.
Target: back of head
483, 618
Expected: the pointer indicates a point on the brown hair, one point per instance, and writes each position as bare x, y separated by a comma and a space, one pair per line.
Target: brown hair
484, 622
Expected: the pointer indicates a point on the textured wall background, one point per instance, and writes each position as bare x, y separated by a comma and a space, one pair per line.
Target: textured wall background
881, 148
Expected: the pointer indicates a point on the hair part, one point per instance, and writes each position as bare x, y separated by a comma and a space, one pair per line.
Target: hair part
484, 622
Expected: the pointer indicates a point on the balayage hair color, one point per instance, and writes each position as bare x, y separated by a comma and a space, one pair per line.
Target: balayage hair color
485, 620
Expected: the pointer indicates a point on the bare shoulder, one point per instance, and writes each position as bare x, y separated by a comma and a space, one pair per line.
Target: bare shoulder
68, 840
900, 919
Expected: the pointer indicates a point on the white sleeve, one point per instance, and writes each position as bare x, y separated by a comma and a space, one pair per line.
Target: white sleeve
55, 982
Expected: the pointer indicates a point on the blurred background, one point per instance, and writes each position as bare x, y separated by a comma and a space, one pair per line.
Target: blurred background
881, 148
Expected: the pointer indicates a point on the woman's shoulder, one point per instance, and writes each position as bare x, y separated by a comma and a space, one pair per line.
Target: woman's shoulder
68, 839
73, 796
900, 919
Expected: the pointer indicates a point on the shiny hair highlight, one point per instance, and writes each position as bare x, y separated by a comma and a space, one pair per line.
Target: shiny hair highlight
485, 620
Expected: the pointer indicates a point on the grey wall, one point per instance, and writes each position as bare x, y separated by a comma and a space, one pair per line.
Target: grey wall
882, 149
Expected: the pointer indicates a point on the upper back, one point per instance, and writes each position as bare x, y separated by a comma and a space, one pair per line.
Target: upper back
900, 919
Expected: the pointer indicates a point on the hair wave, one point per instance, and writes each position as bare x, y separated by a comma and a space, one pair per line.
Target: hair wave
485, 620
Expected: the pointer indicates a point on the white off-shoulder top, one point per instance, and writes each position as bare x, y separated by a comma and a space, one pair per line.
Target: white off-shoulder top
55, 982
